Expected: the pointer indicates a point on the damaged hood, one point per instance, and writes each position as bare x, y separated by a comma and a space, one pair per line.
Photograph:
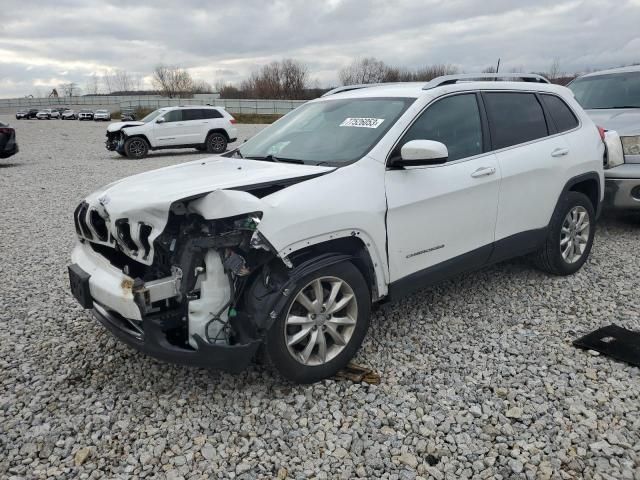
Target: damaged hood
114, 127
147, 197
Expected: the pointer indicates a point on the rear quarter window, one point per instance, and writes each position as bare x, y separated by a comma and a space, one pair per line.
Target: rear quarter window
514, 118
560, 112
211, 113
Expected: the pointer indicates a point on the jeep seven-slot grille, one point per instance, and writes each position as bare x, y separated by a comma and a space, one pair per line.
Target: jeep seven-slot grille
132, 239
80, 218
99, 225
139, 244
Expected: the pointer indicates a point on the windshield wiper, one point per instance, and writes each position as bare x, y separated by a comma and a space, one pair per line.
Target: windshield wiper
273, 158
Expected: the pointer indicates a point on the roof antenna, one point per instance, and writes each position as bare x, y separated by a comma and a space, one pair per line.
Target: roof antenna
498, 66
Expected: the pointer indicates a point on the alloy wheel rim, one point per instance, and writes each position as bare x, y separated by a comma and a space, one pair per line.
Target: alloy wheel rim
574, 234
217, 143
321, 321
137, 148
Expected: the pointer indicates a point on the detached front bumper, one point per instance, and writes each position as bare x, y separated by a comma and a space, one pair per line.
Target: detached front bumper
622, 187
99, 286
152, 340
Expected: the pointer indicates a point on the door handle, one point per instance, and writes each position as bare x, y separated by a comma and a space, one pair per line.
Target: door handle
560, 152
483, 172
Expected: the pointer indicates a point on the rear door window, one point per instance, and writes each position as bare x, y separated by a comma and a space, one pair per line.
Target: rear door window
560, 113
514, 118
192, 114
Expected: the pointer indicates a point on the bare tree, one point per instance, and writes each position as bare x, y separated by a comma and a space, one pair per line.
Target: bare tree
372, 70
364, 70
172, 81
429, 72
228, 91
294, 78
200, 86
554, 70
120, 80
70, 88
285, 79
92, 86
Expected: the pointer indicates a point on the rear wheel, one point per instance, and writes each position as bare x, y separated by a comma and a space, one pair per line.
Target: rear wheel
216, 143
136, 147
321, 328
570, 236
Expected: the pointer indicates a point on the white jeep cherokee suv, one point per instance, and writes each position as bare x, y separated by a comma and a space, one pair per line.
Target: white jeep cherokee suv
358, 197
197, 126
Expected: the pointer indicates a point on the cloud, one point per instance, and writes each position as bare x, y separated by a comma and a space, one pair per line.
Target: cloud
225, 41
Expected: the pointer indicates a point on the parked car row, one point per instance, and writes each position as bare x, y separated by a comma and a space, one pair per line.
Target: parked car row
63, 113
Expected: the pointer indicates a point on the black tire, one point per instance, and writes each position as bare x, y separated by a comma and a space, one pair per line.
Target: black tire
136, 147
550, 257
276, 350
216, 143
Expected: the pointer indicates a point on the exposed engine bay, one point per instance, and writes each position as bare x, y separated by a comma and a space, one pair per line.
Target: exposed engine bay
198, 276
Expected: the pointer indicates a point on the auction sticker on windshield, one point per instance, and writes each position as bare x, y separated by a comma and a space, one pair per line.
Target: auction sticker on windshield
362, 122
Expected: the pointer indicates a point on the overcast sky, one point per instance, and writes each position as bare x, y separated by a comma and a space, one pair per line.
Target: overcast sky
45, 43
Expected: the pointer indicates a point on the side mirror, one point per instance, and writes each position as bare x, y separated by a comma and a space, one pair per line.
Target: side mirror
422, 152
160, 120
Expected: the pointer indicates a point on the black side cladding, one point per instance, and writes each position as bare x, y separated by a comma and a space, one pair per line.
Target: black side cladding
615, 342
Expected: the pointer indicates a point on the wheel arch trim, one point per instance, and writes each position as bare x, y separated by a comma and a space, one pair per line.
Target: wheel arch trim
579, 179
377, 277
218, 130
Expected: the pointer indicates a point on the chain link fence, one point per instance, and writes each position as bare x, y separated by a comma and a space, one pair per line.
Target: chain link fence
121, 102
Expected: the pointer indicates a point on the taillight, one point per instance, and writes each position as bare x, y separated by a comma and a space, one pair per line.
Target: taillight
6, 130
601, 132
233, 121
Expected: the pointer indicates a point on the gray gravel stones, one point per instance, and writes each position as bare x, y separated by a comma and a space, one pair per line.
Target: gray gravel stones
479, 378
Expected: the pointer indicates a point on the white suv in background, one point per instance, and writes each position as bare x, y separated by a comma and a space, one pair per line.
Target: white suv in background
355, 198
197, 126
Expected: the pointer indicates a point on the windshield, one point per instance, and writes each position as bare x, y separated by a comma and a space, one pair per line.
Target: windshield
618, 90
151, 116
332, 131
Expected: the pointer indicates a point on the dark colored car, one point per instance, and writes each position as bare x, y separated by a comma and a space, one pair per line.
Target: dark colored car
8, 145
31, 114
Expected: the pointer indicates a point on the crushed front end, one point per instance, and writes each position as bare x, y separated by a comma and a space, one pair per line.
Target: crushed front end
175, 294
115, 141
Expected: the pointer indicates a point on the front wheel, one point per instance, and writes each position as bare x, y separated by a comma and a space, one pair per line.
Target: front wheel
570, 236
136, 147
216, 143
321, 328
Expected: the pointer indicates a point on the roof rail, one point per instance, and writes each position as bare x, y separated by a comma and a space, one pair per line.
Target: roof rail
347, 88
451, 79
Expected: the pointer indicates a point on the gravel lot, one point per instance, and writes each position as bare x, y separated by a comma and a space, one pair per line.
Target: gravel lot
479, 378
